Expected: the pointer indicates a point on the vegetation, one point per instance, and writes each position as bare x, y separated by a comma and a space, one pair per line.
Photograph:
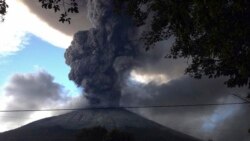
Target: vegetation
57, 5
213, 34
3, 9
248, 96
102, 134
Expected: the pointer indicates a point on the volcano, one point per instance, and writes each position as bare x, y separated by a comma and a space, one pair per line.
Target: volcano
65, 127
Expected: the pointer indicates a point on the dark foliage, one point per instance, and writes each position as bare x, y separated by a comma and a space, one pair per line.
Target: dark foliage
102, 134
248, 96
214, 34
116, 135
3, 9
57, 5
92, 134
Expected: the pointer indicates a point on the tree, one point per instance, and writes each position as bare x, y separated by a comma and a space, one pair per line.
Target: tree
66, 7
117, 135
92, 134
213, 34
56, 5
102, 134
3, 9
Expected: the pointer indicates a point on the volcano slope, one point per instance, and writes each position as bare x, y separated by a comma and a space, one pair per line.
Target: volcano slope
65, 127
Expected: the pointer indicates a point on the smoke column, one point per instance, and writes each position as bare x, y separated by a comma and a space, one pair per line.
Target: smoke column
101, 57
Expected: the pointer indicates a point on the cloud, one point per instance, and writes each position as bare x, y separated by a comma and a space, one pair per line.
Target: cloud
146, 78
112, 67
19, 23
150, 68
202, 122
234, 127
33, 91
101, 56
13, 38
79, 21
216, 122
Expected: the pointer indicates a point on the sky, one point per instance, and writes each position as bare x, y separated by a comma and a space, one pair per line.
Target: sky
30, 47
34, 74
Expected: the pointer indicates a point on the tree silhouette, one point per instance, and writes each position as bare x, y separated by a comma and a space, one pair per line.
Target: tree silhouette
248, 96
92, 134
102, 134
67, 7
213, 34
117, 135
63, 6
3, 9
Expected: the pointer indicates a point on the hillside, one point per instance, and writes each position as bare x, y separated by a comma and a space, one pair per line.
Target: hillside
65, 127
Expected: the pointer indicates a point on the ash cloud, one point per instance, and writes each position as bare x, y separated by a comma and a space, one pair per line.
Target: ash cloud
212, 122
101, 57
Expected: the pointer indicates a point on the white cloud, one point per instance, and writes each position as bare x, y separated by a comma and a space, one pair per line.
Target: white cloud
19, 23
33, 91
146, 78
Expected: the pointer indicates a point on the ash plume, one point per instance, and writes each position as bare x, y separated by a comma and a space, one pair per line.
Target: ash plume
101, 57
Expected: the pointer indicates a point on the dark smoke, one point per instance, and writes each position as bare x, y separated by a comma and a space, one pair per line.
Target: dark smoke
101, 57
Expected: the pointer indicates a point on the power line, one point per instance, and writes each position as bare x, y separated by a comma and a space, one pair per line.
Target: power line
17, 117
128, 107
242, 98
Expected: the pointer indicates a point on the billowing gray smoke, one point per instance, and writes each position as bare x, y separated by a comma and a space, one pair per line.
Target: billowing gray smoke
101, 57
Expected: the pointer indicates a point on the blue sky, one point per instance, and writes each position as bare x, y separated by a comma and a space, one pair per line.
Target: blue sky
26, 46
29, 48
30, 45
36, 55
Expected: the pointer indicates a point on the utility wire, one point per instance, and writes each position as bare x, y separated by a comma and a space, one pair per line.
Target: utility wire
129, 107
242, 98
